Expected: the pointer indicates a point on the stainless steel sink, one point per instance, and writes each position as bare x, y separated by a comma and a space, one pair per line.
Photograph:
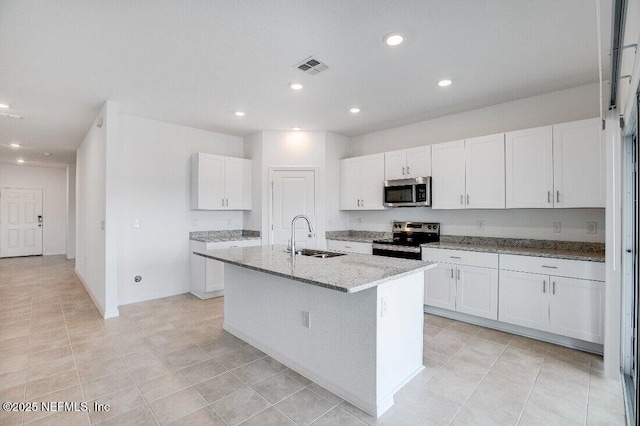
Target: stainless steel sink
318, 253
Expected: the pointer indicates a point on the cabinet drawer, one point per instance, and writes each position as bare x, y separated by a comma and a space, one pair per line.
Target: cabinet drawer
461, 257
231, 244
350, 246
558, 267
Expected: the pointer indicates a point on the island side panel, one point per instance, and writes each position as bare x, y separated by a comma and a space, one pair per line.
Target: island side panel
338, 351
400, 334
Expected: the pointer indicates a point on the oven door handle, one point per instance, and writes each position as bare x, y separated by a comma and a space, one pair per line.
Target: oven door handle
391, 247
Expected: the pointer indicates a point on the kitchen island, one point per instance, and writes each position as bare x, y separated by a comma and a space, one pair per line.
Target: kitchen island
351, 323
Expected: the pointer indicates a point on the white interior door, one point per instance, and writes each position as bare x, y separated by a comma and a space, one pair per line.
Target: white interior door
20, 222
293, 193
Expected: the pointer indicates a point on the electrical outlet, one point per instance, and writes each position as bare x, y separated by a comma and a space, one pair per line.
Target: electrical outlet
480, 225
306, 319
359, 220
384, 306
557, 227
592, 227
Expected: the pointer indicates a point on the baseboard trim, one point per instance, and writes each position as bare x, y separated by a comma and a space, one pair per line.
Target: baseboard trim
568, 342
153, 296
105, 315
375, 410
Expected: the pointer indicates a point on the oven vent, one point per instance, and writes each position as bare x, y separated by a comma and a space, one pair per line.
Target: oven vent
311, 66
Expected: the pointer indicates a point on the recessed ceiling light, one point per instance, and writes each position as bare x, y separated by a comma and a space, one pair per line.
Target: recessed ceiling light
46, 154
20, 160
295, 86
354, 110
295, 129
240, 113
393, 39
14, 145
4, 106
444, 83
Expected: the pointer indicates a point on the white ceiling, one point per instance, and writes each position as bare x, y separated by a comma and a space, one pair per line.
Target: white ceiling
195, 63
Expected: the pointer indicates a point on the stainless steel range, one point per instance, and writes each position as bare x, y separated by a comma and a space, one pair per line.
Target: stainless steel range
407, 238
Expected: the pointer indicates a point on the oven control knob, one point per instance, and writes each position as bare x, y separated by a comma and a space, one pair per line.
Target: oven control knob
428, 226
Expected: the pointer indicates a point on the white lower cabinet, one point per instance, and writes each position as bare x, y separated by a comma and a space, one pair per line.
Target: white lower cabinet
440, 287
568, 306
207, 275
522, 292
350, 246
524, 300
468, 289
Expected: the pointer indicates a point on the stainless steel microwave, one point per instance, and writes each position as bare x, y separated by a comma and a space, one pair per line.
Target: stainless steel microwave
408, 192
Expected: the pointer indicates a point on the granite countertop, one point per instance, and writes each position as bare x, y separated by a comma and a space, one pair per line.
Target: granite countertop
357, 236
349, 273
570, 250
227, 235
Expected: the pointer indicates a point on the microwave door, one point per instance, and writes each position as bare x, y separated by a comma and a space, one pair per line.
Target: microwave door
397, 196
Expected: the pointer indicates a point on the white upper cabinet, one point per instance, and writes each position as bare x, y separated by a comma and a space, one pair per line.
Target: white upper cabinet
485, 180
469, 174
362, 183
529, 168
579, 164
448, 175
407, 163
559, 166
220, 183
395, 165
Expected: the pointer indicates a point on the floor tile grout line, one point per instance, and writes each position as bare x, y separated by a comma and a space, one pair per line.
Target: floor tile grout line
101, 322
483, 377
546, 355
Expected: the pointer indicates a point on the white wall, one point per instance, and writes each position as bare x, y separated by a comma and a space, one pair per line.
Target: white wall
336, 146
253, 150
282, 149
557, 107
52, 180
90, 210
71, 211
153, 186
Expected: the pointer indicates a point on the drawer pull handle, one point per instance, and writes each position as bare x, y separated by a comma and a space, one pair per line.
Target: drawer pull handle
557, 196
549, 267
554, 288
458, 274
455, 257
347, 246
233, 246
544, 286
451, 272
548, 196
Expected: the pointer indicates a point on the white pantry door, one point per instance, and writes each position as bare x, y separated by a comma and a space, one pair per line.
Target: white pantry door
20, 222
293, 193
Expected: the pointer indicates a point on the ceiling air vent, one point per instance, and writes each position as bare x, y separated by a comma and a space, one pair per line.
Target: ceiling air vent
311, 66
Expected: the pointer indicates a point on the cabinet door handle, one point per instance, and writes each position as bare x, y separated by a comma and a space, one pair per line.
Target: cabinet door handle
458, 274
549, 267
548, 196
557, 196
461, 199
407, 169
222, 202
402, 170
455, 257
451, 272
233, 246
544, 286
467, 198
554, 288
347, 246
358, 202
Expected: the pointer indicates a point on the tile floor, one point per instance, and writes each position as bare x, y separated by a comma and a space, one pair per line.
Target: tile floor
168, 361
